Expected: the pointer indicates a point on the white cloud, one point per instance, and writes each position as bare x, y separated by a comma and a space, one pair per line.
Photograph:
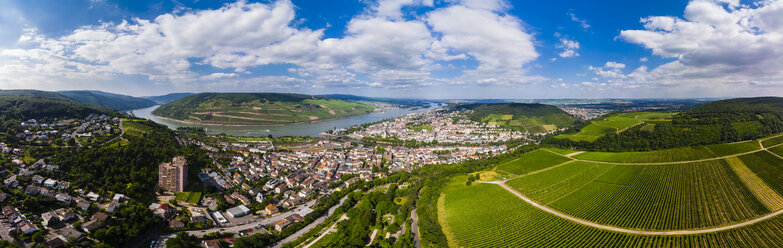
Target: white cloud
610, 70
381, 46
497, 41
569, 47
717, 42
643, 59
582, 22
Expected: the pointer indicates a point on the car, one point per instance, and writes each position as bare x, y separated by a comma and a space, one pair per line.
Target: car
222, 229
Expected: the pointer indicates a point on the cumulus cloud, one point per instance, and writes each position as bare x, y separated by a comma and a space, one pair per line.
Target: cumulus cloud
381, 47
717, 41
569, 47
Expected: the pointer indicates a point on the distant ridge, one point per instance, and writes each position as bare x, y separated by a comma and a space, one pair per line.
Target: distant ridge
258, 108
109, 100
167, 98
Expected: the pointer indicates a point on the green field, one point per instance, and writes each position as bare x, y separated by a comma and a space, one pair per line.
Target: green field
616, 123
499, 219
532, 161
733, 185
534, 118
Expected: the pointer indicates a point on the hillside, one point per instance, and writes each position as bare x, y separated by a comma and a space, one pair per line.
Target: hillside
108, 100
167, 98
723, 121
535, 118
35, 93
617, 123
726, 195
258, 108
27, 107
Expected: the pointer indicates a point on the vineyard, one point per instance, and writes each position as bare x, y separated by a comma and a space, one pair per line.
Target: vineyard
511, 222
720, 191
672, 155
532, 161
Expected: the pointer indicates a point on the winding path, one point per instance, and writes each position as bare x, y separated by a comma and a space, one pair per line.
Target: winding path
633, 231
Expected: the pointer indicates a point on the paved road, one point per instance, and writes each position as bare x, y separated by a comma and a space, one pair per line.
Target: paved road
415, 228
312, 225
632, 231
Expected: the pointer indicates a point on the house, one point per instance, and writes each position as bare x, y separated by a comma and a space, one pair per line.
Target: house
11, 182
119, 198
229, 200
200, 219
28, 228
3, 196
66, 214
100, 216
49, 218
32, 190
93, 196
280, 225
83, 204
213, 243
63, 185
114, 206
259, 197
50, 183
70, 234
63, 198
38, 179
54, 242
162, 210
271, 209
295, 218
91, 226
238, 211
176, 223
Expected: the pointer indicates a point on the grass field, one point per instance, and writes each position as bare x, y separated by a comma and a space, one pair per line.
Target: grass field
194, 197
532, 161
499, 219
181, 196
616, 123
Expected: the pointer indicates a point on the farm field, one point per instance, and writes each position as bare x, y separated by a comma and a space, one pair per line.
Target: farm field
616, 123
672, 155
663, 192
532, 161
511, 222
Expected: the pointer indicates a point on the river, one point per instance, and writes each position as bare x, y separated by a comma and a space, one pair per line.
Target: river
313, 129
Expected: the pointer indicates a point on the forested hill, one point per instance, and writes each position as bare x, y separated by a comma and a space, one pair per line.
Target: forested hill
535, 118
108, 100
27, 107
167, 98
258, 108
716, 122
748, 105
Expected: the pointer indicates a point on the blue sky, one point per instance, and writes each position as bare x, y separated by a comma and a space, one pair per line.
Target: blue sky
397, 48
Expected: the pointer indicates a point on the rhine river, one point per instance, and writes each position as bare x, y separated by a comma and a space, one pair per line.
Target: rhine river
313, 129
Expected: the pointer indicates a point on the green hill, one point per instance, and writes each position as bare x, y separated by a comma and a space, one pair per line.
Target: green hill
535, 118
35, 93
258, 108
167, 98
108, 100
27, 107
723, 121
617, 123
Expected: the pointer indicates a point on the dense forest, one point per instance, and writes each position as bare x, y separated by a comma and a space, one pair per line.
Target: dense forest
716, 122
181, 108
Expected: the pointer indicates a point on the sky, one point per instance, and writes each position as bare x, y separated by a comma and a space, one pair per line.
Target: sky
397, 48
